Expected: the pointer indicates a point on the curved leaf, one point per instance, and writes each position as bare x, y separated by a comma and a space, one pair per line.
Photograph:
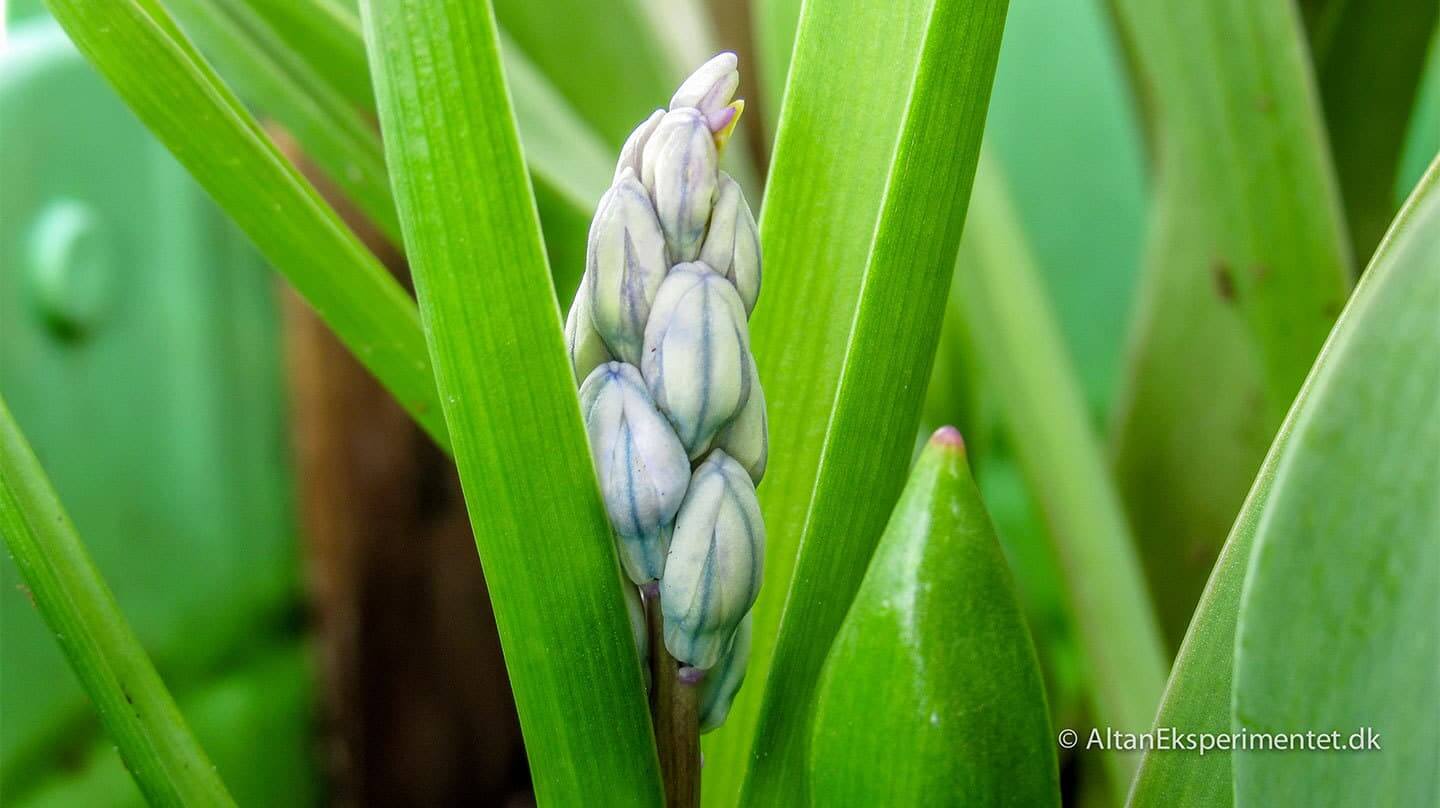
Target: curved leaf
1198, 695
932, 694
1337, 626
493, 325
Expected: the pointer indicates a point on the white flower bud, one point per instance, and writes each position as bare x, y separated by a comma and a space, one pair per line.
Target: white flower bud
722, 682
712, 572
732, 245
696, 361
634, 148
747, 437
710, 88
680, 168
642, 467
586, 347
626, 262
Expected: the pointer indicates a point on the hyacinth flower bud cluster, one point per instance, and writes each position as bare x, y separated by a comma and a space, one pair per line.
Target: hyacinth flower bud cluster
659, 339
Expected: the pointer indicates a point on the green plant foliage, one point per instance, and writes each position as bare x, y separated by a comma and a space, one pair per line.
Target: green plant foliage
493, 325
134, 706
267, 73
1368, 60
1043, 412
605, 58
870, 181
1198, 695
1248, 265
931, 694
1340, 593
140, 50
569, 163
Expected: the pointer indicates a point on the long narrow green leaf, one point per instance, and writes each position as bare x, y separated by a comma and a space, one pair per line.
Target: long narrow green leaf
268, 74
1340, 595
1043, 410
1198, 695
1368, 59
139, 49
134, 706
605, 58
932, 687
867, 201
1248, 266
568, 161
493, 325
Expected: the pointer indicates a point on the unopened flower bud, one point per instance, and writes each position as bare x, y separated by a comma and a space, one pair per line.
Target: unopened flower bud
747, 437
712, 572
722, 682
634, 148
626, 262
710, 88
642, 468
696, 360
586, 348
679, 168
732, 245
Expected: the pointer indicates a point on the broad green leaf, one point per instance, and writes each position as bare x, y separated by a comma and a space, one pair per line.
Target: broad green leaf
1337, 627
1247, 267
493, 326
1368, 60
134, 706
931, 694
268, 74
1422, 142
867, 196
1042, 409
1198, 695
140, 50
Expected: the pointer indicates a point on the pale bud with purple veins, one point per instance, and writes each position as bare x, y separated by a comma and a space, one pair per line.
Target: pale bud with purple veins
722, 682
747, 437
712, 572
634, 148
626, 262
696, 361
710, 88
680, 168
642, 468
586, 347
732, 245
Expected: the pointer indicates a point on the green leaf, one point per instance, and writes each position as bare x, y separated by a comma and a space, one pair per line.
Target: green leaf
569, 163
267, 73
493, 326
140, 50
134, 706
932, 689
1198, 695
867, 195
605, 58
1247, 267
1026, 367
1337, 626
1368, 59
